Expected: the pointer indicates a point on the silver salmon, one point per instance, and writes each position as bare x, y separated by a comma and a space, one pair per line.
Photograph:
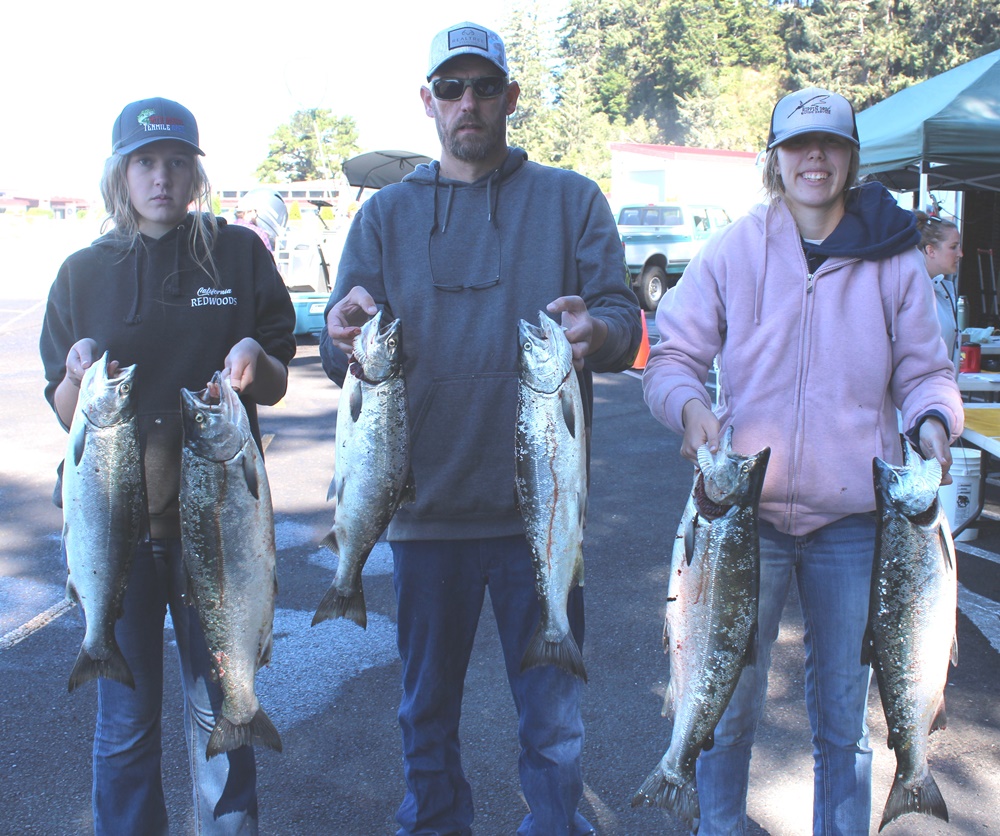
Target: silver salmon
104, 506
371, 476
551, 478
911, 634
710, 633
227, 540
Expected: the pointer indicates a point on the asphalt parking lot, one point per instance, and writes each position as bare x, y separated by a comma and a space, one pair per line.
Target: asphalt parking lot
332, 689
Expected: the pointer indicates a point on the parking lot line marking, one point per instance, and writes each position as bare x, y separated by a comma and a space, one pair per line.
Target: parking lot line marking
8, 325
37, 623
975, 551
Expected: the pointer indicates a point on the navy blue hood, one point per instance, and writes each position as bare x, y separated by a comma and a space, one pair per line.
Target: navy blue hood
874, 227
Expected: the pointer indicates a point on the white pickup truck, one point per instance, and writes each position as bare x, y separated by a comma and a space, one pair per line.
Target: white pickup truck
660, 240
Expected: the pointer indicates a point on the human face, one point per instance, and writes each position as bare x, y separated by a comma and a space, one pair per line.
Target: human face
160, 179
473, 132
814, 169
942, 258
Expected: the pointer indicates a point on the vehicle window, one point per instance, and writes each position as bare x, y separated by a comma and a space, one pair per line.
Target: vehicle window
629, 217
700, 221
719, 218
664, 216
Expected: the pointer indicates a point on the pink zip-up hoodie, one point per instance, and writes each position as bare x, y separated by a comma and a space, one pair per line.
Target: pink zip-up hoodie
812, 366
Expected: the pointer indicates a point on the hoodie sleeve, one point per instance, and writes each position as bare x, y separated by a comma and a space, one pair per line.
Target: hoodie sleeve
606, 289
57, 334
690, 320
360, 265
923, 378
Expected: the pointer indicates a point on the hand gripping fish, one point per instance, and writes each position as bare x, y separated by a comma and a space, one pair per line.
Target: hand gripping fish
227, 540
104, 506
551, 478
710, 632
911, 634
371, 476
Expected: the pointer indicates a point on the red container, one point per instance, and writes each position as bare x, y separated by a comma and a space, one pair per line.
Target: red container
972, 356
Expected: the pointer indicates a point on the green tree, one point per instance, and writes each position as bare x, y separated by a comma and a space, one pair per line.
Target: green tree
311, 146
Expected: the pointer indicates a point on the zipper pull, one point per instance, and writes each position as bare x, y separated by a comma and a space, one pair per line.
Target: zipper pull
809, 283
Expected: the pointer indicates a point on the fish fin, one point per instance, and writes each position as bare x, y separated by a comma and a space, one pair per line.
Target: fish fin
578, 570
250, 475
335, 605
114, 667
947, 548
265, 652
79, 444
925, 797
227, 735
681, 800
355, 403
330, 541
954, 650
564, 654
669, 702
940, 720
709, 741
568, 412
689, 530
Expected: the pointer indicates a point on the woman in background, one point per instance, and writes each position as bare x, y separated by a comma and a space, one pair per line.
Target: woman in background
941, 245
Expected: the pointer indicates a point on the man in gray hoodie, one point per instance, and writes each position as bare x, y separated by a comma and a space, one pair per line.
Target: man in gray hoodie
459, 251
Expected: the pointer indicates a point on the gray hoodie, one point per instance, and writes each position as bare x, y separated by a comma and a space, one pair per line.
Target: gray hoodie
459, 264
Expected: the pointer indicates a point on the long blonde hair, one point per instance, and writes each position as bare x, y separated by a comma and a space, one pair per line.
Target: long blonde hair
121, 212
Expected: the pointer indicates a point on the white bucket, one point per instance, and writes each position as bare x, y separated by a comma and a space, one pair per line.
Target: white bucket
961, 498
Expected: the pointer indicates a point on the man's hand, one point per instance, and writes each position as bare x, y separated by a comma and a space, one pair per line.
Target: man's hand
345, 319
585, 333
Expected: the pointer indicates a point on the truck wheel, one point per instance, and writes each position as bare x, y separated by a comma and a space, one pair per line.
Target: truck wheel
652, 285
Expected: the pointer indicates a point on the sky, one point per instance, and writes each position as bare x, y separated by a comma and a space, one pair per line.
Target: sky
71, 67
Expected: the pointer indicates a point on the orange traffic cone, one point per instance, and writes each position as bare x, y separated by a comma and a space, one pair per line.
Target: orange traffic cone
643, 355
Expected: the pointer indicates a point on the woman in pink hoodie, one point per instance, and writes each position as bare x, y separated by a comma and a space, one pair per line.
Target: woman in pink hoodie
818, 307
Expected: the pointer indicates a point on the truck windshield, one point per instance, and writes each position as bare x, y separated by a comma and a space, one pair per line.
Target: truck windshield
662, 216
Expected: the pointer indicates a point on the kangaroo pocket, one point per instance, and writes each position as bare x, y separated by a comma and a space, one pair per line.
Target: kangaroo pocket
162, 437
462, 448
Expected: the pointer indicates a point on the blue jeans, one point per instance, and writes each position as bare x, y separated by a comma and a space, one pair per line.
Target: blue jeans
832, 567
440, 587
128, 790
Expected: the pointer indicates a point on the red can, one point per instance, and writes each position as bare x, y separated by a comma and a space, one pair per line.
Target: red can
972, 356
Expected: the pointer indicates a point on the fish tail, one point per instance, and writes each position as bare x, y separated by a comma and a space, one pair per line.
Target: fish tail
925, 797
114, 667
228, 735
564, 654
335, 605
680, 799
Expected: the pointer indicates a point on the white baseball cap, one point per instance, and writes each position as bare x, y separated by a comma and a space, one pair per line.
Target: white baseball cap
467, 39
813, 110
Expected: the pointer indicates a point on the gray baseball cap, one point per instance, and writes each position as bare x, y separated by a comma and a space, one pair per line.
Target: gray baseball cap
150, 120
467, 39
813, 110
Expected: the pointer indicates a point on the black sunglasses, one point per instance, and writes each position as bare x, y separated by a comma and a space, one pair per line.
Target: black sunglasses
452, 89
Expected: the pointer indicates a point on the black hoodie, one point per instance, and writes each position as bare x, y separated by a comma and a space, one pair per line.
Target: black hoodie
150, 304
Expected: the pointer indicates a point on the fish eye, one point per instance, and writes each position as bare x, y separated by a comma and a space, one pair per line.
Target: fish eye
745, 467
126, 388
199, 418
527, 345
391, 342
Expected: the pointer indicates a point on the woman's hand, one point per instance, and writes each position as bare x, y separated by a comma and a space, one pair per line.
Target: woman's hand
700, 427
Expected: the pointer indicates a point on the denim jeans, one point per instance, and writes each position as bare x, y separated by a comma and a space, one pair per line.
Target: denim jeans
440, 588
128, 790
832, 568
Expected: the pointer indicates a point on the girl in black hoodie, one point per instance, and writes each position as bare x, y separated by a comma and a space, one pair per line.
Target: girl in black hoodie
179, 294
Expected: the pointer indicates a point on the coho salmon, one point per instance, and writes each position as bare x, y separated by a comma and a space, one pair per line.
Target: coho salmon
371, 476
710, 631
911, 634
551, 478
227, 540
104, 506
